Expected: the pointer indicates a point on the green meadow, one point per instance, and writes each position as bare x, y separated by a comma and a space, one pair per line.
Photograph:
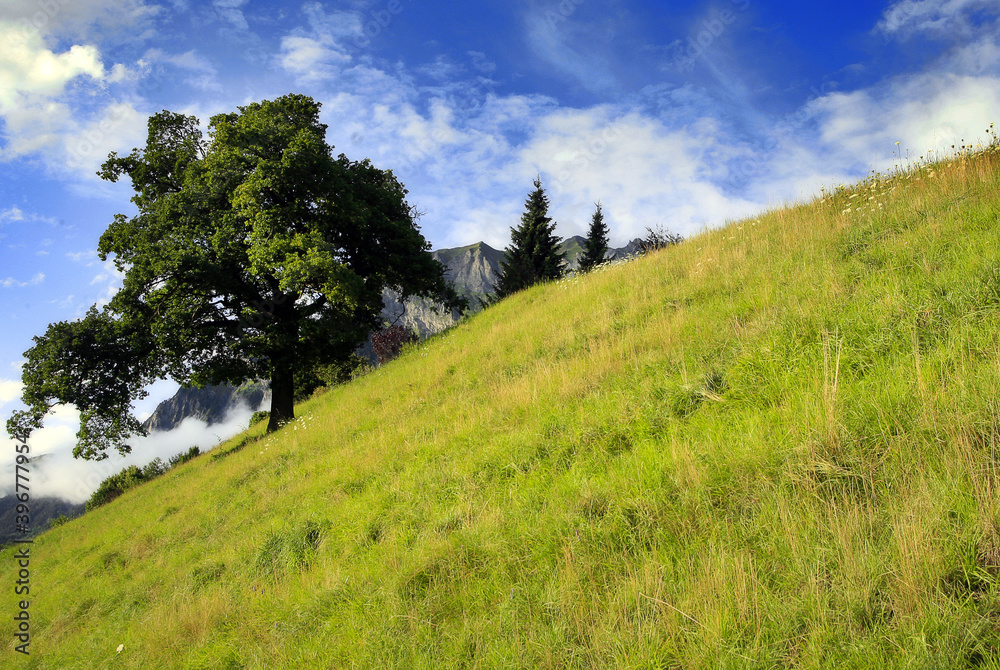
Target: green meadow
776, 445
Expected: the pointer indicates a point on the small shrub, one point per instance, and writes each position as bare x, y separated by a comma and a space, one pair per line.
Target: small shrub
715, 383
184, 457
132, 476
388, 342
257, 417
343, 371
153, 469
315, 381
114, 486
58, 521
203, 575
658, 239
112, 560
684, 401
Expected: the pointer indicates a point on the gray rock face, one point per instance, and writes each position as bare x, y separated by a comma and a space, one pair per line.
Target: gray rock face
474, 270
210, 404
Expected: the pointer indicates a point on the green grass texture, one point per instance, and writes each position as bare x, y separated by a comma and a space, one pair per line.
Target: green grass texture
774, 445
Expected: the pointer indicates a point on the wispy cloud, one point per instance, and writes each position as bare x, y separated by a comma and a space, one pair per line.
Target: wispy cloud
952, 20
576, 48
70, 19
10, 282
231, 12
322, 50
203, 75
11, 215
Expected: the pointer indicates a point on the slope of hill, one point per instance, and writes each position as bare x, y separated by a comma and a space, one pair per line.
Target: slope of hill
474, 271
772, 446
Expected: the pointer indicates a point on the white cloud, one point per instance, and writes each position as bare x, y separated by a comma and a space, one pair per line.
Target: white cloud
11, 215
927, 114
54, 471
40, 103
645, 173
74, 19
482, 63
231, 11
87, 144
28, 68
86, 257
33, 81
322, 51
204, 75
311, 58
56, 91
10, 390
948, 19
10, 282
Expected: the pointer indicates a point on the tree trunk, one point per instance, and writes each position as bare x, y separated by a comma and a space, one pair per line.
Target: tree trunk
282, 398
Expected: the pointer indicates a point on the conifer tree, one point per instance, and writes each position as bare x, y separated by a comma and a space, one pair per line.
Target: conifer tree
533, 255
596, 245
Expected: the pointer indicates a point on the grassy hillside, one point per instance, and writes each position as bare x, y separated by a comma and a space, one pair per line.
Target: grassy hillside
774, 445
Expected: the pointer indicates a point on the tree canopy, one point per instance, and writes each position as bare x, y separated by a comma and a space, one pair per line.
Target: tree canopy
596, 245
255, 254
533, 255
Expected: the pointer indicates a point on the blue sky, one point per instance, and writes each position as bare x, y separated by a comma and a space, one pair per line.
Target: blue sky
674, 114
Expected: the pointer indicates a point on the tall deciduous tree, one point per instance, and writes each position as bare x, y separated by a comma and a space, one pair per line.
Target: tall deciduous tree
596, 245
533, 255
255, 253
